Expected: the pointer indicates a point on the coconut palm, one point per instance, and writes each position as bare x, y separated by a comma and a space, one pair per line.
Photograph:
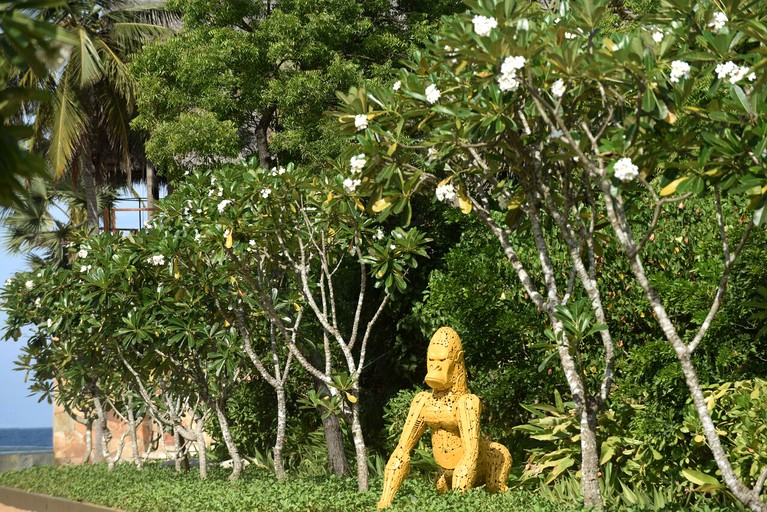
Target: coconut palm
85, 130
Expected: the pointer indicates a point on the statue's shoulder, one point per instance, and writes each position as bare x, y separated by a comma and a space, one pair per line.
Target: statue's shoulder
469, 400
422, 397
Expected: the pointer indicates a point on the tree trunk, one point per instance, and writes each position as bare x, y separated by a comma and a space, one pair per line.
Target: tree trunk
134, 436
150, 185
262, 142
592, 497
359, 447
181, 457
229, 441
88, 441
91, 192
337, 463
279, 443
103, 433
202, 450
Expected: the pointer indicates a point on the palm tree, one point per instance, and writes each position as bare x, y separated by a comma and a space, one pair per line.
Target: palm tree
85, 130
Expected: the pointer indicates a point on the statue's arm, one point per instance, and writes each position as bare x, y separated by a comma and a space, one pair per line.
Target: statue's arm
465, 472
399, 462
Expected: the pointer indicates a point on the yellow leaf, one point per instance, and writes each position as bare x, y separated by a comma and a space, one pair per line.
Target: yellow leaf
609, 44
226, 323
351, 398
229, 241
381, 205
714, 172
463, 202
392, 149
671, 187
699, 438
670, 117
483, 74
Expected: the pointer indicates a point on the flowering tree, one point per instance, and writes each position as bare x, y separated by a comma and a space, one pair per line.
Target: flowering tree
279, 241
550, 126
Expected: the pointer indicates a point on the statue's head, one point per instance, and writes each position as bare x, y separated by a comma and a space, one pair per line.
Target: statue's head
445, 367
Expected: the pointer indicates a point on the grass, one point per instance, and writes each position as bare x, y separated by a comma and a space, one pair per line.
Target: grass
160, 489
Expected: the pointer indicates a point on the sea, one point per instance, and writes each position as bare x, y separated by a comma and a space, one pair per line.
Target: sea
26, 440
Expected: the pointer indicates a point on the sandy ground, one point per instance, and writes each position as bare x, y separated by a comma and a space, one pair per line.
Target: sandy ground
6, 508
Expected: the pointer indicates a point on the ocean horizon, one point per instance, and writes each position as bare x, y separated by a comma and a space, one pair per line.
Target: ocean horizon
26, 439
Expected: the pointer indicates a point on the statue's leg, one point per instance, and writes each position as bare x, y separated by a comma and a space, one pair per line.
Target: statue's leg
496, 462
444, 481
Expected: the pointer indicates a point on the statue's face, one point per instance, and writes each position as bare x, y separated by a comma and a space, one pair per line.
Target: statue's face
439, 367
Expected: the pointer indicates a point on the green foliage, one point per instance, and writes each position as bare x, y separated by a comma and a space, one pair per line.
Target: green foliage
638, 463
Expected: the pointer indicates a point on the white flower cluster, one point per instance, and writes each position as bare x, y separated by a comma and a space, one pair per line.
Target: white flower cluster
625, 170
679, 69
557, 134
85, 268
350, 185
29, 285
277, 171
484, 25
718, 21
446, 192
82, 253
251, 246
733, 72
396, 85
360, 121
357, 163
219, 192
8, 282
266, 192
570, 35
156, 260
37, 302
508, 79
379, 234
657, 36
558, 88
223, 204
432, 94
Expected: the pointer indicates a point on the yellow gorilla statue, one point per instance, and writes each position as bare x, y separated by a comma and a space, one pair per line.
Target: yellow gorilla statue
452, 414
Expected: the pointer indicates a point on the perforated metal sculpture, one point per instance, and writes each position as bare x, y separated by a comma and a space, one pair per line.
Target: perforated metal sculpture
452, 414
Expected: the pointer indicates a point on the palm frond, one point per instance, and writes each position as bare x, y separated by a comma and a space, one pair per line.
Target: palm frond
67, 128
91, 68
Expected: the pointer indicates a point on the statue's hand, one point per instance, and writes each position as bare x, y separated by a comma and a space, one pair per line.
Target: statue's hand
461, 478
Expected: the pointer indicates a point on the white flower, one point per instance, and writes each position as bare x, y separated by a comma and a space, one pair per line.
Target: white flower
432, 94
733, 72
251, 243
483, 25
223, 204
350, 185
49, 323
85, 268
679, 69
503, 202
558, 88
445, 192
556, 134
570, 35
508, 83
396, 85
199, 210
718, 21
29, 285
431, 154
738, 74
266, 192
392, 247
227, 232
379, 234
212, 181
37, 302
752, 77
510, 65
360, 121
8, 282
156, 260
625, 170
357, 163
220, 192
657, 36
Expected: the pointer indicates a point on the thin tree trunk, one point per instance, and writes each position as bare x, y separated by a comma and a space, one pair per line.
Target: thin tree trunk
359, 447
331, 429
592, 496
182, 457
134, 436
106, 435
88, 441
229, 441
150, 184
279, 443
202, 450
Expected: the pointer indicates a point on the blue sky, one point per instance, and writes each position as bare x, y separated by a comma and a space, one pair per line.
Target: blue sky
17, 409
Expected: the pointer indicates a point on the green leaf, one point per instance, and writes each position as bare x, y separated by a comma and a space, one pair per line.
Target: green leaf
699, 478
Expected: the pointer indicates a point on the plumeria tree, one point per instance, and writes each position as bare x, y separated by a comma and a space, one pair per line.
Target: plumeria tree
550, 127
280, 242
